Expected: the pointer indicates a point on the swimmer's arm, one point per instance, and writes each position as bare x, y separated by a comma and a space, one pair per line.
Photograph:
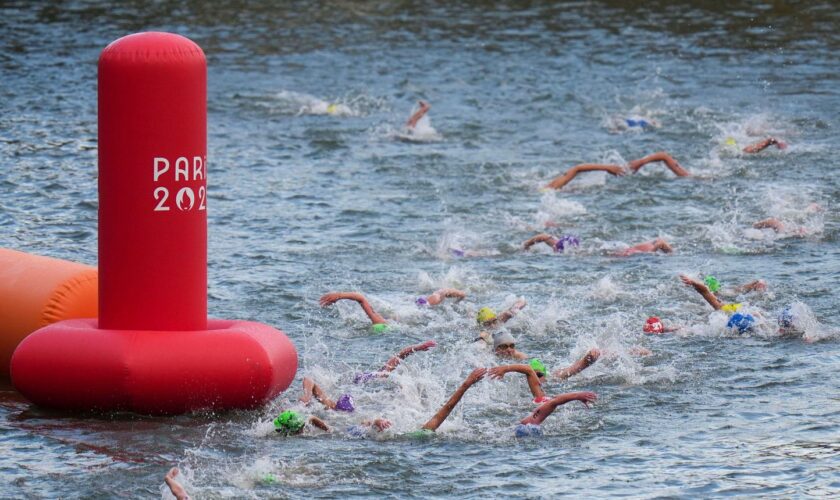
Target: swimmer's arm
392, 363
505, 316
764, 144
445, 293
570, 174
662, 245
771, 223
669, 160
540, 238
544, 410
380, 424
703, 290
412, 121
317, 422
499, 372
450, 404
752, 286
331, 298
578, 366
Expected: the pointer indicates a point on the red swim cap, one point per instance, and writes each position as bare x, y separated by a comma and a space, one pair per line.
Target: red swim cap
542, 399
653, 325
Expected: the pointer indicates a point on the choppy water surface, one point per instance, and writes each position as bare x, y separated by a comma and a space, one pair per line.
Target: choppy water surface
303, 201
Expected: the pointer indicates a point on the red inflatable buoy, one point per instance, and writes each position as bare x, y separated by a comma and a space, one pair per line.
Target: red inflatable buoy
153, 349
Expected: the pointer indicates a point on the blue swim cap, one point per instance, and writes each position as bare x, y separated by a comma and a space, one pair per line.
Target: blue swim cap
743, 322
641, 122
786, 317
527, 430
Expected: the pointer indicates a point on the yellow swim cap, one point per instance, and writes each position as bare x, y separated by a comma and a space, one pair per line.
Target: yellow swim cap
332, 109
485, 314
730, 142
731, 308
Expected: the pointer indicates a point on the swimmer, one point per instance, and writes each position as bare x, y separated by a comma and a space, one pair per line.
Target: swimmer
741, 322
498, 373
780, 227
557, 244
619, 170
764, 144
655, 326
395, 361
310, 388
439, 296
488, 318
291, 423
417, 115
504, 346
333, 297
175, 487
711, 286
659, 244
530, 425
433, 423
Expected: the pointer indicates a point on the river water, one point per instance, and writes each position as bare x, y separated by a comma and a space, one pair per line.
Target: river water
302, 202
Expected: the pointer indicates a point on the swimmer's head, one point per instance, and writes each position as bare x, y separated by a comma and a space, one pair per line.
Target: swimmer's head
332, 109
538, 367
566, 241
504, 344
421, 434
653, 325
421, 302
457, 252
741, 322
730, 308
787, 318
485, 314
345, 403
361, 378
712, 283
289, 422
730, 141
379, 328
541, 399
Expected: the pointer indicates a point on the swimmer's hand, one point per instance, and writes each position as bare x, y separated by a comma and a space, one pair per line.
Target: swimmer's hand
475, 376
587, 398
616, 170
425, 346
497, 372
380, 424
690, 282
592, 356
331, 298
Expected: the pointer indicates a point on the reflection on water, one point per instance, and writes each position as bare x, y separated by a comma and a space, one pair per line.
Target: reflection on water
312, 189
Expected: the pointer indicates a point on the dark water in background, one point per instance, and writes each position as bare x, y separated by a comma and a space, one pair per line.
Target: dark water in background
301, 203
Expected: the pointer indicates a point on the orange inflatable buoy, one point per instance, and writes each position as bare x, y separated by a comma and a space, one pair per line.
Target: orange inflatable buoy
37, 291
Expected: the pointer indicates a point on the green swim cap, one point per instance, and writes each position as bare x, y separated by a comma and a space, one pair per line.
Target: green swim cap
538, 367
379, 328
712, 283
269, 478
289, 422
421, 434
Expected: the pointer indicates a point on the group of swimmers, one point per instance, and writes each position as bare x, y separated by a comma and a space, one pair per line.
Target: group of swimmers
291, 422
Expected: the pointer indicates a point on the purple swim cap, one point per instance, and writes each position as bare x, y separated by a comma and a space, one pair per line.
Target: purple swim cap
421, 301
456, 252
566, 240
345, 403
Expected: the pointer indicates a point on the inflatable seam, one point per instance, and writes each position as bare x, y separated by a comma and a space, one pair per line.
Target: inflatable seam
54, 310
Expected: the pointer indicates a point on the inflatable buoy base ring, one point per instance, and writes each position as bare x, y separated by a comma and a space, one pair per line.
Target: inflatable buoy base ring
74, 366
